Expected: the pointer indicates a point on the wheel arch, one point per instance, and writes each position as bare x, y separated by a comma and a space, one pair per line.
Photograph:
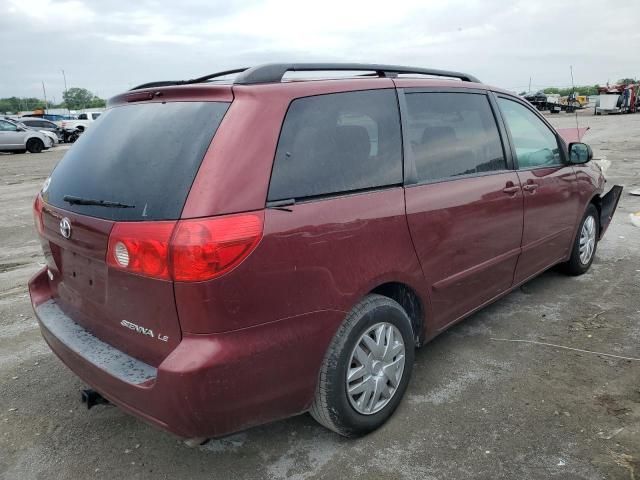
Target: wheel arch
34, 137
410, 300
596, 201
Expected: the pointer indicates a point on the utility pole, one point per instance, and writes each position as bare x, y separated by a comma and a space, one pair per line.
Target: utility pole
65, 91
45, 97
64, 77
529, 85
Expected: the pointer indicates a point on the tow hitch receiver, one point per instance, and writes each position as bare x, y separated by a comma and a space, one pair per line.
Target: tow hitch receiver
92, 398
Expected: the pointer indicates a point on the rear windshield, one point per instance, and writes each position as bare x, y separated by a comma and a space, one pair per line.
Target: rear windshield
142, 155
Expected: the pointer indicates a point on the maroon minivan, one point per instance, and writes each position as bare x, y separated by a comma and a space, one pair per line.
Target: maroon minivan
221, 255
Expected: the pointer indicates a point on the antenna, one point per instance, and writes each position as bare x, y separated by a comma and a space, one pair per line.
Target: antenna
573, 89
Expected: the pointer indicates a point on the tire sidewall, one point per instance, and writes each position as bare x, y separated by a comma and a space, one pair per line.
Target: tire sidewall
348, 418
39, 146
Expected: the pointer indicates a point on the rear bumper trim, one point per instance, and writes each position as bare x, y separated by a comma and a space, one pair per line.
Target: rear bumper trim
100, 354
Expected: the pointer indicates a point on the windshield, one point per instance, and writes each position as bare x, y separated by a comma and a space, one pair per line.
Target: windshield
143, 155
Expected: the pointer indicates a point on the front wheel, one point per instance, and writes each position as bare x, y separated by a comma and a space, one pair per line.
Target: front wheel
366, 369
35, 145
585, 244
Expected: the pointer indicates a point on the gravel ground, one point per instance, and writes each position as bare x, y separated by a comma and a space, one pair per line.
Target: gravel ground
476, 407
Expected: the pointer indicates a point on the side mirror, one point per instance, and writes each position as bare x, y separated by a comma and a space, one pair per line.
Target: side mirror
579, 153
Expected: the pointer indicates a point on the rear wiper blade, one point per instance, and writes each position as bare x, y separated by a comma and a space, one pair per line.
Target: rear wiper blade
100, 203
282, 204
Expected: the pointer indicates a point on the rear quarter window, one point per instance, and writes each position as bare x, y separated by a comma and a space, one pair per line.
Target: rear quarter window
146, 155
337, 143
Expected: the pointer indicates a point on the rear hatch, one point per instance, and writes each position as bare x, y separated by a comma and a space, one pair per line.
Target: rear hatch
140, 160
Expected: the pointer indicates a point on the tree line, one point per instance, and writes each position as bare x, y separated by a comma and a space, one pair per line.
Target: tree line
73, 99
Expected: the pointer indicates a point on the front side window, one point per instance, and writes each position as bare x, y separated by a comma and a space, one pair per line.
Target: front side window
536, 145
453, 134
82, 116
95, 115
337, 143
7, 127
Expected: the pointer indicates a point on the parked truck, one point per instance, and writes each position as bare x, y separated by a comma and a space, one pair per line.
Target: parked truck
82, 122
73, 128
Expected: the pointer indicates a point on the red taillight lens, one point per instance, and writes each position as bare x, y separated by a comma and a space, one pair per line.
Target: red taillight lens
37, 214
203, 249
199, 249
141, 248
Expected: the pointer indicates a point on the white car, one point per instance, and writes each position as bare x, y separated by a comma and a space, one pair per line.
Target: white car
51, 137
18, 138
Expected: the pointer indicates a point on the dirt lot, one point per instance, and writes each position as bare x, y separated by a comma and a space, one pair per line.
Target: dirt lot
476, 407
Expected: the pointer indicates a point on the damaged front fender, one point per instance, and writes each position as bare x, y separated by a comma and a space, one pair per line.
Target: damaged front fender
608, 205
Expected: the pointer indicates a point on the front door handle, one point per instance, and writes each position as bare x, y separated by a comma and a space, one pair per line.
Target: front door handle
511, 189
530, 187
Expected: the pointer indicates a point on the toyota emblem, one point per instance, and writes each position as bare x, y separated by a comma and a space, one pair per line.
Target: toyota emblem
65, 227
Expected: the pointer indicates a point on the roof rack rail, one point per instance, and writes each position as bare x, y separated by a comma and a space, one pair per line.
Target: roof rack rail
273, 72
168, 83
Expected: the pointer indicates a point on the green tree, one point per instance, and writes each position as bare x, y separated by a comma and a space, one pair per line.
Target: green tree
78, 98
627, 81
97, 102
16, 104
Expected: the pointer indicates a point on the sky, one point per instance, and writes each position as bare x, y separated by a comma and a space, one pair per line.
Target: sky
109, 46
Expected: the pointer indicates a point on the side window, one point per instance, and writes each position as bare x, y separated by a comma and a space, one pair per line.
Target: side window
82, 116
536, 145
7, 127
95, 115
336, 143
453, 134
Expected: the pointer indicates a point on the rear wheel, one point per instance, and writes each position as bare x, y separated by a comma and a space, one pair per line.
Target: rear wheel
366, 369
585, 244
35, 145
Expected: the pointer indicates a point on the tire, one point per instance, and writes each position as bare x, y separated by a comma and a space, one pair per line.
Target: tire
35, 145
333, 407
579, 264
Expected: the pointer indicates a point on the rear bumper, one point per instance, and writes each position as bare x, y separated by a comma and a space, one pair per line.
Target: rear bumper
209, 385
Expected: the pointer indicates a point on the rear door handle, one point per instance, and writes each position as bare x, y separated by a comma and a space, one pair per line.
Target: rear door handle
530, 187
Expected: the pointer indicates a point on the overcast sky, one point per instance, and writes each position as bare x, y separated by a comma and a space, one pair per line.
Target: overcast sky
111, 45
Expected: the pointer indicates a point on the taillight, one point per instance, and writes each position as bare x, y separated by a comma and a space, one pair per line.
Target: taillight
141, 248
203, 249
187, 250
37, 214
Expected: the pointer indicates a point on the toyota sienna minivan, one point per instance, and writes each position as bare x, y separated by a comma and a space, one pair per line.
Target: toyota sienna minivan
221, 255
